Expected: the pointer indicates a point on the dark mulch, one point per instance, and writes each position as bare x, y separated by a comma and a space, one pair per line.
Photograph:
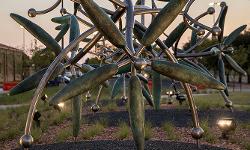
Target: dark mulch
179, 117
123, 145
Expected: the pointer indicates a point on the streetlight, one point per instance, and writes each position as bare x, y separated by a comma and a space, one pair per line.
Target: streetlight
23, 37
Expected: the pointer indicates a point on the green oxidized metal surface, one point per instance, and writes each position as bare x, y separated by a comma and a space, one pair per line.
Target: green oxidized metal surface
186, 74
136, 112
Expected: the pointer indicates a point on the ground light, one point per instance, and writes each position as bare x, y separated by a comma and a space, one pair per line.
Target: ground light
61, 105
170, 94
88, 96
227, 126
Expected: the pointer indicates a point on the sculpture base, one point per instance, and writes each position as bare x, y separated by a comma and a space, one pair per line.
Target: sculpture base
123, 145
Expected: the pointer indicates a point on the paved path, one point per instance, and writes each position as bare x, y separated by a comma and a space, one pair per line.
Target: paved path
3, 107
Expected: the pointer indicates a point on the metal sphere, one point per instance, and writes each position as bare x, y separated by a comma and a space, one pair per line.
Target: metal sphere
63, 11
200, 31
140, 64
170, 102
95, 108
229, 104
32, 12
26, 141
215, 50
180, 97
216, 30
211, 10
88, 95
103, 56
124, 99
197, 133
222, 4
230, 49
44, 97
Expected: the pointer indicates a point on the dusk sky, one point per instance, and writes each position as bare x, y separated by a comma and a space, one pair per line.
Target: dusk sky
11, 33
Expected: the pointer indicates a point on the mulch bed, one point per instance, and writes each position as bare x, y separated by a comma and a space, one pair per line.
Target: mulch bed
179, 117
159, 140
123, 145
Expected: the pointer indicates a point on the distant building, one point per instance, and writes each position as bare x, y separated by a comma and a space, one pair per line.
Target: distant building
11, 64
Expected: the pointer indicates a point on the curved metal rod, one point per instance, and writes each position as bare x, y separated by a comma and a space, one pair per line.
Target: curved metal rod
82, 11
41, 12
206, 36
119, 3
186, 17
139, 51
123, 63
226, 100
197, 23
99, 94
124, 85
208, 53
47, 75
49, 9
196, 20
120, 20
146, 11
198, 43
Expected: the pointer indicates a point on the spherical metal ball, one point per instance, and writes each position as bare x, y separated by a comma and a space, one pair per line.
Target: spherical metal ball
63, 11
32, 12
215, 50
26, 141
103, 56
124, 99
229, 104
180, 97
222, 4
170, 102
197, 133
88, 95
216, 30
200, 31
44, 97
140, 64
230, 49
211, 10
95, 108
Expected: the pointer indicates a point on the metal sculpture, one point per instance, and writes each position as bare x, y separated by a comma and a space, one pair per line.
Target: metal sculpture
136, 54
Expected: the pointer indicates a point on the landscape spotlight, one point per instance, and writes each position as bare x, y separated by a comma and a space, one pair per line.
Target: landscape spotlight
61, 105
226, 125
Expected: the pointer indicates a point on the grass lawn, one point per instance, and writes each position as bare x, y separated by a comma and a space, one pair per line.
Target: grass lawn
12, 120
241, 101
23, 98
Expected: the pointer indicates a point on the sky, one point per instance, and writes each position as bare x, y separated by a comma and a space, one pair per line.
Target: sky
11, 34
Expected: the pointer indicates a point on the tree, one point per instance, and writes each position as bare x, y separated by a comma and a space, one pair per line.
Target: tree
242, 51
42, 58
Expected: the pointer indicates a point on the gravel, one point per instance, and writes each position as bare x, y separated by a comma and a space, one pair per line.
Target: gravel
123, 145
